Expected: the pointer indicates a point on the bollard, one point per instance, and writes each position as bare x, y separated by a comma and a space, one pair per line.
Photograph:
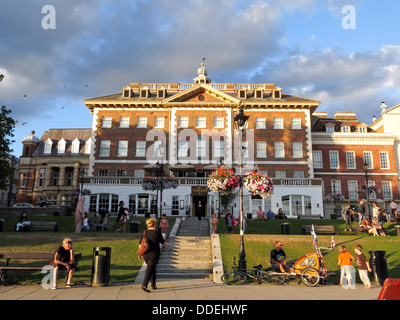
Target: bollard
397, 228
101, 266
378, 265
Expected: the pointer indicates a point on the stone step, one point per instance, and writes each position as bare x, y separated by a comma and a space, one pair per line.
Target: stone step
197, 275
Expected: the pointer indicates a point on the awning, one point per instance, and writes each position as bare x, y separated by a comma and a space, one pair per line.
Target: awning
182, 168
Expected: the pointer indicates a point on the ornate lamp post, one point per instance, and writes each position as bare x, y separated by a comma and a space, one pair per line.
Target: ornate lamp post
160, 174
366, 167
241, 120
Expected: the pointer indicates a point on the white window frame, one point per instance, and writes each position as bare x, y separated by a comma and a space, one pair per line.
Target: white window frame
261, 149
106, 122
319, 152
296, 123
183, 148
279, 149
159, 122
352, 185
278, 123
384, 161
183, 122
140, 148
280, 174
141, 122
122, 148
387, 190
331, 160
369, 158
351, 160
61, 146
105, 148
201, 122
219, 122
201, 145
124, 122
218, 149
261, 123
297, 147
298, 174
75, 146
48, 146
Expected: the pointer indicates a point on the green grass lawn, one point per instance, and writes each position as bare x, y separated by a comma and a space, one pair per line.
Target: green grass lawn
124, 262
260, 238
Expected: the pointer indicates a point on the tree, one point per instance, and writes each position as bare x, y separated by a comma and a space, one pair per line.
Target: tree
7, 125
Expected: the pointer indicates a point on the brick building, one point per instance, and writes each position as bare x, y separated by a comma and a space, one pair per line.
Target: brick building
341, 147
53, 166
195, 123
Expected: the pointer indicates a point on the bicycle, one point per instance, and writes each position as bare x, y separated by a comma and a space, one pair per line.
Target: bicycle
237, 276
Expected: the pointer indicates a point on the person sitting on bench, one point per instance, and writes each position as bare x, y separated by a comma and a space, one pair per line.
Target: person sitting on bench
64, 257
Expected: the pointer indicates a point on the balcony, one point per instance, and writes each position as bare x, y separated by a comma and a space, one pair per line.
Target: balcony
193, 181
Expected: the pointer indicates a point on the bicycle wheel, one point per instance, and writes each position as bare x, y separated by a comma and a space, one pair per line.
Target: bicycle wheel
267, 276
310, 277
233, 278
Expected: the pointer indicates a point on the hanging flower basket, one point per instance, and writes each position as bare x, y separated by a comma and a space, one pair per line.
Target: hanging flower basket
257, 183
363, 188
223, 180
331, 196
154, 183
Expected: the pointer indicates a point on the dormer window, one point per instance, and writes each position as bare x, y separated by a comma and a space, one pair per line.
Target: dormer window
258, 93
75, 146
61, 146
330, 127
127, 92
277, 93
161, 93
47, 146
88, 146
362, 129
346, 128
144, 92
242, 93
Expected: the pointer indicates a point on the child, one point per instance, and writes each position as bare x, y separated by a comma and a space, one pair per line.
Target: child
214, 223
346, 269
86, 223
164, 226
363, 266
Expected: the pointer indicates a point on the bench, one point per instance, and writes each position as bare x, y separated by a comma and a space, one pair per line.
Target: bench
44, 225
329, 229
25, 255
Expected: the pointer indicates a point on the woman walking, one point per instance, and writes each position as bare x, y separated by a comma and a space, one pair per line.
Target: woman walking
79, 215
154, 239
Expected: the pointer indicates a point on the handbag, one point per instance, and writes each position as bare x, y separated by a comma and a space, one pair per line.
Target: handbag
143, 246
234, 222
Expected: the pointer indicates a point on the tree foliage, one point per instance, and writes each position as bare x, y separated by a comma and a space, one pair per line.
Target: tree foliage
7, 125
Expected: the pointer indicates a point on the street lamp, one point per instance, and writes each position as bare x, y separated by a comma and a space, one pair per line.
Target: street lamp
333, 179
241, 120
160, 174
366, 167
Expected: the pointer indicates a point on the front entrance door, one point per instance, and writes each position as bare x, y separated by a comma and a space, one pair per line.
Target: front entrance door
199, 206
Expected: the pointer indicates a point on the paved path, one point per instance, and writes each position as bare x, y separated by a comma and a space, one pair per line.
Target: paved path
193, 289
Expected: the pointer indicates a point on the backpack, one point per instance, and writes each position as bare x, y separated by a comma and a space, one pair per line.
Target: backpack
143, 246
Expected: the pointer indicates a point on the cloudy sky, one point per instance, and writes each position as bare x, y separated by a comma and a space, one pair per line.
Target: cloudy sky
344, 53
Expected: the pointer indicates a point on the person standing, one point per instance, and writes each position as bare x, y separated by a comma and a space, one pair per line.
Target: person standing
214, 223
346, 214
361, 212
363, 266
199, 210
164, 225
154, 239
344, 263
79, 215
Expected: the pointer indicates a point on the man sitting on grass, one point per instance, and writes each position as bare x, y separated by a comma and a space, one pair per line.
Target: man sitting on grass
278, 257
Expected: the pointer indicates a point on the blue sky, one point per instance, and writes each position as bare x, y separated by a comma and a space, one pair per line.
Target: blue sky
99, 46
